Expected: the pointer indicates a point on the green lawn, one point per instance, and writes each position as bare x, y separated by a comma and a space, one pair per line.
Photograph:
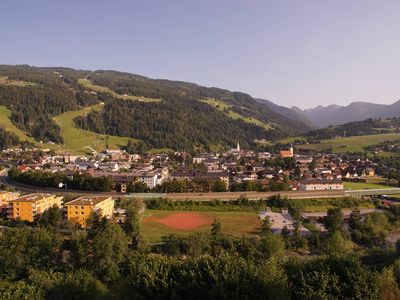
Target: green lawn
362, 185
224, 107
97, 88
233, 223
75, 140
6, 123
351, 144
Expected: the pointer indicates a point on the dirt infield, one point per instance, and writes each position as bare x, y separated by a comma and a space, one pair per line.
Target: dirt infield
181, 220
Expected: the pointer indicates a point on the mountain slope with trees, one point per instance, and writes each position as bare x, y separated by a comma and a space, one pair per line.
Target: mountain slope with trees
181, 120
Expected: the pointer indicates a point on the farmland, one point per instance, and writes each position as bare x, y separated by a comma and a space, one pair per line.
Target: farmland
348, 144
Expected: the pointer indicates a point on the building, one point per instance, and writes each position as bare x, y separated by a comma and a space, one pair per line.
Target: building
150, 179
30, 207
315, 184
287, 153
81, 209
5, 198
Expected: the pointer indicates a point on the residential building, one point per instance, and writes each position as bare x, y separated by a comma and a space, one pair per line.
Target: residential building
5, 198
286, 153
316, 184
81, 209
30, 207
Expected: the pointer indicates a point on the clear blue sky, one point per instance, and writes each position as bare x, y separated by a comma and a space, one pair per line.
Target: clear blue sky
299, 52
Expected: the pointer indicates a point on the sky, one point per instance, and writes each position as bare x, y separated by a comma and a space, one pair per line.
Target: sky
292, 52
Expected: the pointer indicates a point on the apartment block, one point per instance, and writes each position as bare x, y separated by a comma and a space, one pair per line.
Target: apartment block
80, 209
30, 207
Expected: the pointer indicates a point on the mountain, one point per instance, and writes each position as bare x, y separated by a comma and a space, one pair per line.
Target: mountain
154, 113
324, 116
294, 113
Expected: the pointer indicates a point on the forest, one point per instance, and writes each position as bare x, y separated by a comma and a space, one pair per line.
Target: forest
179, 121
366, 127
52, 259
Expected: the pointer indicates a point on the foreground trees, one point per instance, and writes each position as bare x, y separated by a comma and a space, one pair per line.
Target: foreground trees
100, 263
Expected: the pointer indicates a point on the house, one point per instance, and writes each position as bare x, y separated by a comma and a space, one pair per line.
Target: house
30, 207
321, 184
286, 153
81, 209
150, 179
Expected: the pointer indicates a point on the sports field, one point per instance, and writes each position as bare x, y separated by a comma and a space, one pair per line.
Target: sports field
157, 223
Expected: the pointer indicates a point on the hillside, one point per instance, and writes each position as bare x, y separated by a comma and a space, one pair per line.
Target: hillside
289, 113
159, 113
323, 116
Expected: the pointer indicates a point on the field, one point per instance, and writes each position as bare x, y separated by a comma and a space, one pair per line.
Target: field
351, 144
224, 107
157, 223
363, 185
5, 81
82, 141
6, 123
97, 88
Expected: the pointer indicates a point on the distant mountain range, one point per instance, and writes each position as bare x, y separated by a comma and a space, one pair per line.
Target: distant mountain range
323, 116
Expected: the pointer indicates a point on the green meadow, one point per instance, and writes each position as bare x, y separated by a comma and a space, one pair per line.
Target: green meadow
97, 88
224, 107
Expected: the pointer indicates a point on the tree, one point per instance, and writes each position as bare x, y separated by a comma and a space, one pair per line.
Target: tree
265, 227
215, 228
24, 248
337, 245
334, 220
108, 247
355, 222
52, 217
131, 224
272, 245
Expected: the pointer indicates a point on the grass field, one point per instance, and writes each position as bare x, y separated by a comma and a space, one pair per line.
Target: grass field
233, 223
5, 81
224, 107
97, 88
351, 144
76, 139
6, 123
362, 185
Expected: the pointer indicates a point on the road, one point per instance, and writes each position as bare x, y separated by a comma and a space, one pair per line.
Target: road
4, 179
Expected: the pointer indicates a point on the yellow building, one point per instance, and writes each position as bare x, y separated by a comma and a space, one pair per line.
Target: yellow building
6, 197
80, 209
30, 207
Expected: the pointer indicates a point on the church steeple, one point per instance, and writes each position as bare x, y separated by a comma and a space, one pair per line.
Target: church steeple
238, 147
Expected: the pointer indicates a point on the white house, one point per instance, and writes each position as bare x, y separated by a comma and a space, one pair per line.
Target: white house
321, 184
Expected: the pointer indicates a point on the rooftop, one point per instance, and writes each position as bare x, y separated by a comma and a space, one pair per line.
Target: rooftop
33, 197
88, 200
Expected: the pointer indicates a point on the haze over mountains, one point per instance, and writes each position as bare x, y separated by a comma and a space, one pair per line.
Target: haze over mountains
323, 116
